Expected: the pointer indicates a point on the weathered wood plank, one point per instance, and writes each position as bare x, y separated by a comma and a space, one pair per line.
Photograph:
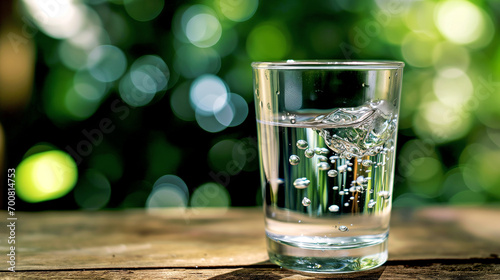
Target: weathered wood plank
201, 237
398, 270
216, 237
444, 232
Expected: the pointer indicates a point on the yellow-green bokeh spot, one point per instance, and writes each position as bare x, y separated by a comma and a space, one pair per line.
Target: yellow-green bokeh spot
485, 166
268, 41
45, 176
210, 195
238, 10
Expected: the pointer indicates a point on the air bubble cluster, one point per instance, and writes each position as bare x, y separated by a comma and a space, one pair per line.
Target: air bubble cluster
357, 142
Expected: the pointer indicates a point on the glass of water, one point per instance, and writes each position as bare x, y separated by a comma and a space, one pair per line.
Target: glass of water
327, 137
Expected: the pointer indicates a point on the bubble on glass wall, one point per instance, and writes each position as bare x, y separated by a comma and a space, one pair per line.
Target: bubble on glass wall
106, 63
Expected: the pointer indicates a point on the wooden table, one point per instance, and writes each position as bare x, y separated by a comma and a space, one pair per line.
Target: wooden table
427, 243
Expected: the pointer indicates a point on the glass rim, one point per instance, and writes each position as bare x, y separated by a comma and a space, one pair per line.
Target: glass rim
329, 64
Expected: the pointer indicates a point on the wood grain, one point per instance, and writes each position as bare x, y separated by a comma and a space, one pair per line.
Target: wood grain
228, 243
396, 271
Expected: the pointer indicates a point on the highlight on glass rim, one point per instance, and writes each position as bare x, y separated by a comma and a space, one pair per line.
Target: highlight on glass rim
184, 114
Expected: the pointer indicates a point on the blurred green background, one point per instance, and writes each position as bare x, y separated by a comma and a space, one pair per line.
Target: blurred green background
131, 103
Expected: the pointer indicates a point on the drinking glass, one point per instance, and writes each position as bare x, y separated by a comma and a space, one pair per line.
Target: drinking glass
327, 137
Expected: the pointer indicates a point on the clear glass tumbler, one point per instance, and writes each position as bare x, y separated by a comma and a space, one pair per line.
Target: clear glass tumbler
327, 136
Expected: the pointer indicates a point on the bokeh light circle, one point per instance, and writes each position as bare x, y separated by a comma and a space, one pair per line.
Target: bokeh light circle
143, 10
276, 38
460, 21
45, 176
448, 55
208, 94
440, 122
226, 156
149, 74
426, 176
88, 87
453, 87
180, 104
483, 170
198, 25
417, 49
173, 180
106, 63
93, 191
420, 16
81, 101
210, 195
203, 30
71, 55
131, 95
167, 195
238, 10
240, 109
192, 62
61, 19
226, 114
208, 122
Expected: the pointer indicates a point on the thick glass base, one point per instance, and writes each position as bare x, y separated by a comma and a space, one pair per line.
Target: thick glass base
327, 261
